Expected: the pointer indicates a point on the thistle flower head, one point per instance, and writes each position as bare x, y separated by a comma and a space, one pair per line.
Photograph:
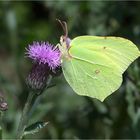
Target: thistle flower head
38, 76
44, 53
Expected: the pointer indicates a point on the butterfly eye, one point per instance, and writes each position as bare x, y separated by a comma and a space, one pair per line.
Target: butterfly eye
68, 40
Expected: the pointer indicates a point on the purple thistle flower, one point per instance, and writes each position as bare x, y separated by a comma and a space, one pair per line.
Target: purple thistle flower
44, 53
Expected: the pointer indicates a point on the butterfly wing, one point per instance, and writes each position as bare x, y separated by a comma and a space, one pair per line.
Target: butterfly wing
97, 63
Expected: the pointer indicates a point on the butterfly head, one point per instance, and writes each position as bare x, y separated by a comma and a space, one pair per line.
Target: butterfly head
64, 40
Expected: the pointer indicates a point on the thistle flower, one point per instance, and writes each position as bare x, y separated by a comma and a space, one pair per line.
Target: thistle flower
47, 62
44, 53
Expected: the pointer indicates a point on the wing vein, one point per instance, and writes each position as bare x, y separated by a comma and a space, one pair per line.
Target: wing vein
81, 59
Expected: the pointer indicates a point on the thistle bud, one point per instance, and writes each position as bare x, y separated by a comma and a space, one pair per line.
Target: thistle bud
3, 103
37, 78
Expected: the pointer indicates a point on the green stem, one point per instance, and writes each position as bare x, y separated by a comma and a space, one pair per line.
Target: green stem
25, 114
27, 111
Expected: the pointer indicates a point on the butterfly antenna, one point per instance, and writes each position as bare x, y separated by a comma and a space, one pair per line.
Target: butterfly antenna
64, 27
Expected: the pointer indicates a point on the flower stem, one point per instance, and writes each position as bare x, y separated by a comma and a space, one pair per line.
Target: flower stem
27, 111
25, 114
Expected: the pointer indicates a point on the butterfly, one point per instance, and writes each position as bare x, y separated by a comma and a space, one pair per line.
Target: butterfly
93, 65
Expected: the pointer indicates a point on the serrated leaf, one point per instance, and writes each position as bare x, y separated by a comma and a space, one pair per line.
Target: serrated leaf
34, 128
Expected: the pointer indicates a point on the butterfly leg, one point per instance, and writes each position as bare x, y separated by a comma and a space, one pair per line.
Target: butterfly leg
57, 46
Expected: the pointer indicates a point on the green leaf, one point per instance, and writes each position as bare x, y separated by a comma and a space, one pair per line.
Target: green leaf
34, 128
93, 66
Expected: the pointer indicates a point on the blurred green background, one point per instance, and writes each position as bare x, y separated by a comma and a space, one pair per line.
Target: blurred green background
70, 116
